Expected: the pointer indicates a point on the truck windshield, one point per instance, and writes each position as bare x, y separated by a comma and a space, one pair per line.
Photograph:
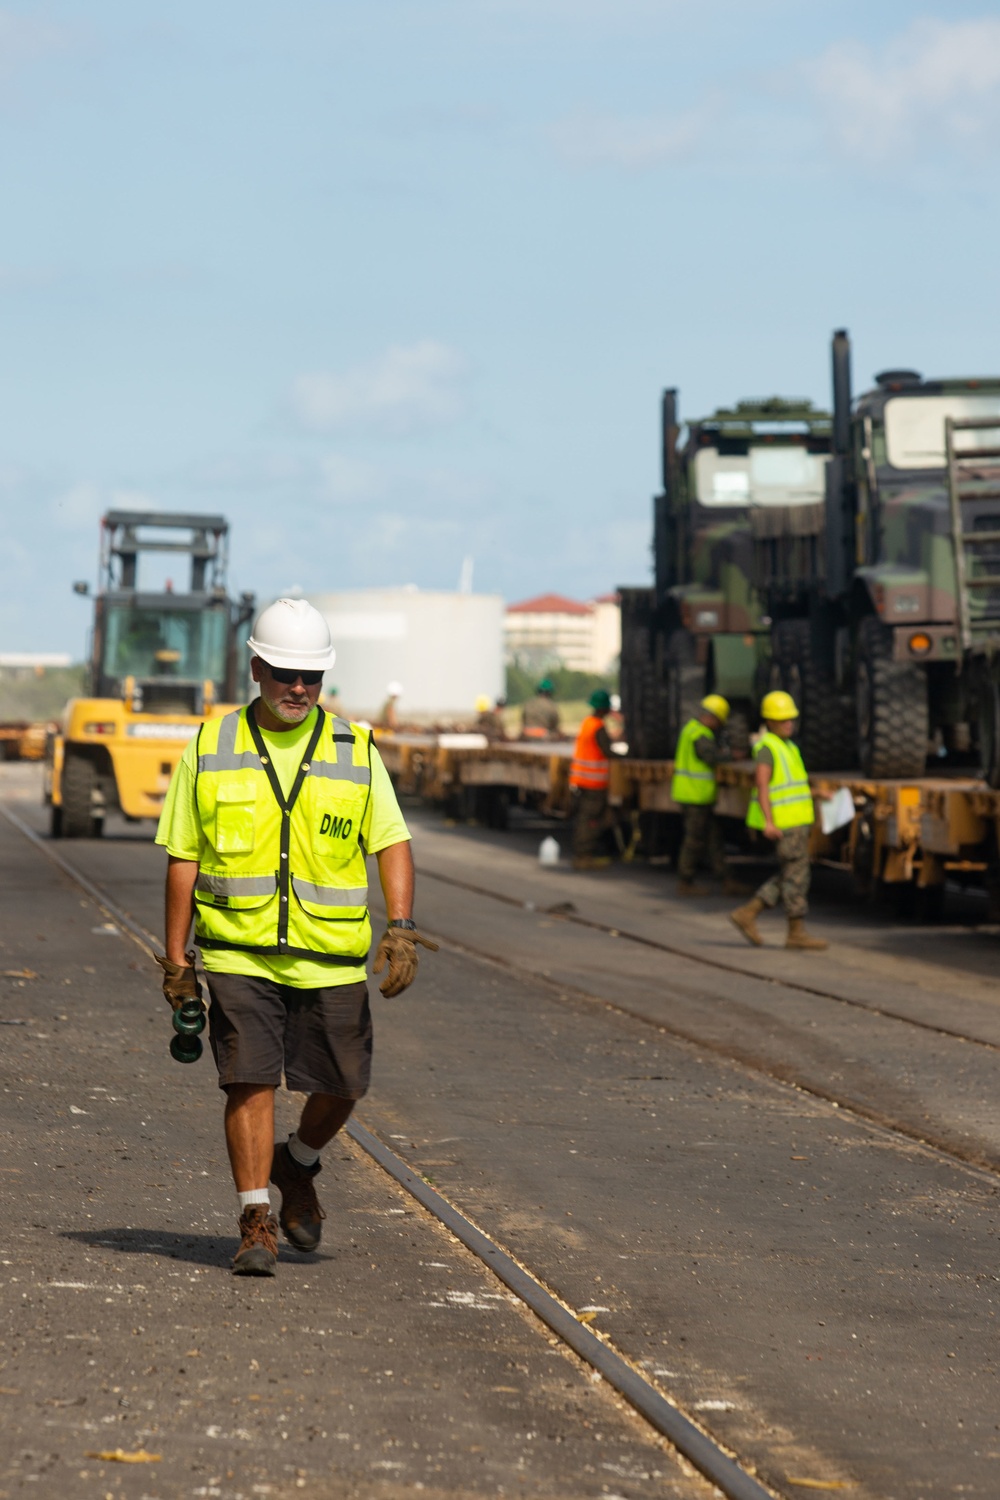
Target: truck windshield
766, 475
172, 645
914, 427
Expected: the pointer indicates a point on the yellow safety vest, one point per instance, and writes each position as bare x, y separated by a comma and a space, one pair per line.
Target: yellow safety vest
791, 799
692, 782
283, 876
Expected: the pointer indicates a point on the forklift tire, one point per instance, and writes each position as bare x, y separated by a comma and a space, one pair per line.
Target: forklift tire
827, 731
79, 782
892, 707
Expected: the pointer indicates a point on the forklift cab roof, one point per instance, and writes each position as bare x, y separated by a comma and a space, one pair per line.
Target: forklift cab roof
126, 534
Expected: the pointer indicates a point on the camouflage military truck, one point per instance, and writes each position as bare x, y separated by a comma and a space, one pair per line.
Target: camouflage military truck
891, 642
704, 625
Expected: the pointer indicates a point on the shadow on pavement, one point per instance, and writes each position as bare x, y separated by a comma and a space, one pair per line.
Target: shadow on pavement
197, 1249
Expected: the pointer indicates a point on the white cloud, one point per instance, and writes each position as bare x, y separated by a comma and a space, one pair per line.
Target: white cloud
596, 140
937, 76
410, 387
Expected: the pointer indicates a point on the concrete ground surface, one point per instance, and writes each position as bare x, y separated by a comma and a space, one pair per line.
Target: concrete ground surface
820, 1291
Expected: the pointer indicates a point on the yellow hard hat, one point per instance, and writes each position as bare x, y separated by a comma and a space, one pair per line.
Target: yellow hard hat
482, 704
717, 705
778, 707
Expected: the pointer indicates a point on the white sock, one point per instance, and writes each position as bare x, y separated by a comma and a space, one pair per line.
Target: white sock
255, 1195
306, 1156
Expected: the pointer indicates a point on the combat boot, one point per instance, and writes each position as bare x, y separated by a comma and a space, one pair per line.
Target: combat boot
258, 1252
690, 888
733, 887
745, 918
301, 1216
591, 862
799, 938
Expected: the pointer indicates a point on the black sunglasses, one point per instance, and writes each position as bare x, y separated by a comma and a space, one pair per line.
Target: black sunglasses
286, 676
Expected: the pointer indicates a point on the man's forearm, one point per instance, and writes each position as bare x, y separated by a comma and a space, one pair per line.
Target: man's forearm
181, 877
395, 873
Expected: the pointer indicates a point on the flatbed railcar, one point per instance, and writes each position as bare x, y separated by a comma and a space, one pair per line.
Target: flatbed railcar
917, 832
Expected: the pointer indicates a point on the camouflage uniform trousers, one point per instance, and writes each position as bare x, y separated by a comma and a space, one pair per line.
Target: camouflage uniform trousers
703, 843
590, 822
790, 884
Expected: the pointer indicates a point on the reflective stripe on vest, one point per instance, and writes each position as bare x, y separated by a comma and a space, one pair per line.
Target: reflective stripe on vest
590, 767
283, 874
693, 782
791, 799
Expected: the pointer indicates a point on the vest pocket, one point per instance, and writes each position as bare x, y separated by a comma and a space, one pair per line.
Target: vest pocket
235, 818
324, 903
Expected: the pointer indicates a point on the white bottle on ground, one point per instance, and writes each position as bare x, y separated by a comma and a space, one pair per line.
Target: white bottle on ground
548, 851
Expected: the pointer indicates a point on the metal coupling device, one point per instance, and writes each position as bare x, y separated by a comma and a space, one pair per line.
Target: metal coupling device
189, 1023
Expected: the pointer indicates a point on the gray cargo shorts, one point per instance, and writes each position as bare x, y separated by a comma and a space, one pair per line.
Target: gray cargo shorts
321, 1039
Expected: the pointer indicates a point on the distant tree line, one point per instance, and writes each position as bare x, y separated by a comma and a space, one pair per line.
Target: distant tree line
570, 686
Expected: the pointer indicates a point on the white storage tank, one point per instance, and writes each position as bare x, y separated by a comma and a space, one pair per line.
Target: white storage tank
444, 649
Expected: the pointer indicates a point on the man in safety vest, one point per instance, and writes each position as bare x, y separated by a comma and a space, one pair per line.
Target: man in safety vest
589, 775
693, 785
781, 807
540, 716
267, 824
489, 719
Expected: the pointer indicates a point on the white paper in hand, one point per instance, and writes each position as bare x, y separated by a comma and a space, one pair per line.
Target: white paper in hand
838, 811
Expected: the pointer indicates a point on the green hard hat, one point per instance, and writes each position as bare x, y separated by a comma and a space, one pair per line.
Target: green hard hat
546, 686
600, 701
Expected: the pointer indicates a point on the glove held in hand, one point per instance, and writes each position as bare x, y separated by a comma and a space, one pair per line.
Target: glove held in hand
180, 982
398, 948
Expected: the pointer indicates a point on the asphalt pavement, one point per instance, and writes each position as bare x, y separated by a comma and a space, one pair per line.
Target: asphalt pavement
701, 1160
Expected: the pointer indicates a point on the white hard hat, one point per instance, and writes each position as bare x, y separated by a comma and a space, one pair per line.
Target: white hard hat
291, 633
394, 690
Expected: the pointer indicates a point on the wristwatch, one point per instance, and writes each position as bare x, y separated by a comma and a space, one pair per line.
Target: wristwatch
405, 923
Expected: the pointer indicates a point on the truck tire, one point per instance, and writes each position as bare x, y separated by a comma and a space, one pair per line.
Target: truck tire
684, 682
892, 707
988, 726
651, 720
79, 782
827, 731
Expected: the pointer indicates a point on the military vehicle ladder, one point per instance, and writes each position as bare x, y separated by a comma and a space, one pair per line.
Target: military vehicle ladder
974, 476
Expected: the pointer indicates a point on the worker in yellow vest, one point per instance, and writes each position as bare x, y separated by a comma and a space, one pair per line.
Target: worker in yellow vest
781, 807
693, 786
267, 824
589, 776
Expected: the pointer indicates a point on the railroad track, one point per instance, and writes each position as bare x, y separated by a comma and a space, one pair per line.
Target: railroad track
690, 1438
698, 1446
970, 1160
696, 957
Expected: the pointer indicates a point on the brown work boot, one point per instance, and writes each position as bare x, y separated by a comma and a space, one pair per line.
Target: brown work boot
745, 918
799, 938
258, 1252
301, 1216
733, 887
691, 888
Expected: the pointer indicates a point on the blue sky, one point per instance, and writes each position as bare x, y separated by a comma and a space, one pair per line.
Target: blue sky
394, 282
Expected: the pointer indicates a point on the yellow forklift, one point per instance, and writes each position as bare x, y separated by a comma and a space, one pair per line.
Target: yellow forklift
160, 663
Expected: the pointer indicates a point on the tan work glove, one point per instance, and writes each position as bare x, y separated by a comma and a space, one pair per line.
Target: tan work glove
180, 982
398, 948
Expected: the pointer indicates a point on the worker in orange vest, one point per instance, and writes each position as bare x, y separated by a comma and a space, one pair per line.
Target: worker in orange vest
589, 776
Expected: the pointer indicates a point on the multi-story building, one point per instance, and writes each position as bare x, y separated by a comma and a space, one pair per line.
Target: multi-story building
552, 630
